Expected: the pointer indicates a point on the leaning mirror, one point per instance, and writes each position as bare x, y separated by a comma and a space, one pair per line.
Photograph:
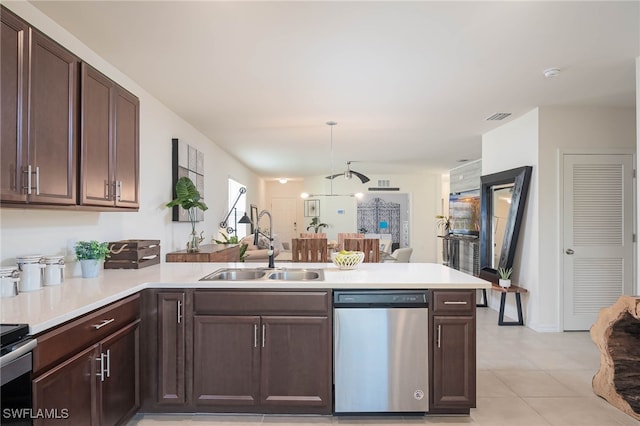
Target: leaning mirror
503, 198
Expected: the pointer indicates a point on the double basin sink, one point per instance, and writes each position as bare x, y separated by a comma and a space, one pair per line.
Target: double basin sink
251, 274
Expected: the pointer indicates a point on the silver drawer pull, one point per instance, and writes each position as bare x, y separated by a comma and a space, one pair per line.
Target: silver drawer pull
103, 323
101, 372
454, 303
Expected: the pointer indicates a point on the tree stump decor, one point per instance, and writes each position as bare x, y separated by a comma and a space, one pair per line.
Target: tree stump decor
616, 333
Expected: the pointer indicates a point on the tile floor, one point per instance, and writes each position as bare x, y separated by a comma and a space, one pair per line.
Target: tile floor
524, 378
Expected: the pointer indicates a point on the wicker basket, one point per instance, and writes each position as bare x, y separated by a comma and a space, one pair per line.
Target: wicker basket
347, 261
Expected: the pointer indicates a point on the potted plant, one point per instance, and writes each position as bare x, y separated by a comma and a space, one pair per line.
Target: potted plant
505, 275
91, 254
234, 240
444, 222
188, 197
316, 225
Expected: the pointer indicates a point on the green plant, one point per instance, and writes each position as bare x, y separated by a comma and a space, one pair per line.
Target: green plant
188, 197
505, 273
444, 222
316, 225
91, 250
227, 239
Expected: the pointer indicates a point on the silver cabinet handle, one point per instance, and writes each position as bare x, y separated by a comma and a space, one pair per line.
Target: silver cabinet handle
569, 251
101, 373
107, 190
103, 323
179, 311
439, 334
264, 334
37, 180
448, 302
255, 335
108, 357
28, 172
119, 190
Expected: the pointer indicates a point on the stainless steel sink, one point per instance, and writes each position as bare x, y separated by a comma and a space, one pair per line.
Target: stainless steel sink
297, 275
284, 274
235, 275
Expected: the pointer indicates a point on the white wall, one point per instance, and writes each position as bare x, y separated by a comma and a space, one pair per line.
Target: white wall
425, 201
538, 139
515, 144
45, 232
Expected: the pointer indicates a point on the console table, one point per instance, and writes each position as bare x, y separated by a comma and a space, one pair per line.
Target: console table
208, 253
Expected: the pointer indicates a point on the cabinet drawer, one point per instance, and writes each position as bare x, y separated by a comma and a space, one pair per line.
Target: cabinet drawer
70, 338
453, 301
262, 302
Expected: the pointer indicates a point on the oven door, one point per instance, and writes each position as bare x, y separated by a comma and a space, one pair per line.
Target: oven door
15, 378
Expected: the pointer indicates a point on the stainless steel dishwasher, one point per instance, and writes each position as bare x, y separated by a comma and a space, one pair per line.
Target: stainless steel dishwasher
380, 351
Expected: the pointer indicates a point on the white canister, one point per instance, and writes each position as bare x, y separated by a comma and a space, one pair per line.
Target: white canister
53, 270
31, 267
9, 278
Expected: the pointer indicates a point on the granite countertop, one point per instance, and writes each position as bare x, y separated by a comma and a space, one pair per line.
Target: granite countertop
53, 305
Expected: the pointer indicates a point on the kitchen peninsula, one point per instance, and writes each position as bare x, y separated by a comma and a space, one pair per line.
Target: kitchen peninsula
173, 330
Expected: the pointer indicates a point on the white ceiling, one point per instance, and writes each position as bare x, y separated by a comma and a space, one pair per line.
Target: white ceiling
409, 83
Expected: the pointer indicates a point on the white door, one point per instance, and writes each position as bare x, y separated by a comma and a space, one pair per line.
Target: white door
597, 235
284, 212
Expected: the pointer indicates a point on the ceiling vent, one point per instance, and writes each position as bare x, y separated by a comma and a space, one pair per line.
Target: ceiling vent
384, 188
498, 116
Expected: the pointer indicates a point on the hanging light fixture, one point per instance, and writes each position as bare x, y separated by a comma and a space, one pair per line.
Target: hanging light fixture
331, 123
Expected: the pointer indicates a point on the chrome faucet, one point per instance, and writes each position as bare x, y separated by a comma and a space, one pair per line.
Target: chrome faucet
270, 236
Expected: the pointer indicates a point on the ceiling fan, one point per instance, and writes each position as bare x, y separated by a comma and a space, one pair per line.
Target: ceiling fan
348, 174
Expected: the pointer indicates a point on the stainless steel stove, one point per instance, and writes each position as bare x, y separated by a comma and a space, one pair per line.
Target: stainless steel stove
15, 374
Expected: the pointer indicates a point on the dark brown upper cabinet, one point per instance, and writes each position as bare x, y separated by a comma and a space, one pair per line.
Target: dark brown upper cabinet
110, 142
39, 116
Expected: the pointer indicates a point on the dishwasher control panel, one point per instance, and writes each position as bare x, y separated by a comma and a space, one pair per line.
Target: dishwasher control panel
380, 298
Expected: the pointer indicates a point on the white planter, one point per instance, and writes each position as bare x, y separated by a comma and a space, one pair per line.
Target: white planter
504, 283
90, 267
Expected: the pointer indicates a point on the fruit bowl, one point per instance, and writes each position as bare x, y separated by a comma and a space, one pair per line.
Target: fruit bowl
347, 260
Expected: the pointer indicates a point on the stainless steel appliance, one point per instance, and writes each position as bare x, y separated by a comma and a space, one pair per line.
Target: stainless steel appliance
15, 374
380, 351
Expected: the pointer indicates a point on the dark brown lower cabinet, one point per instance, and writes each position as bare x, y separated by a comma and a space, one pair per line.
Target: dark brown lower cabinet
98, 386
453, 354
267, 363
87, 371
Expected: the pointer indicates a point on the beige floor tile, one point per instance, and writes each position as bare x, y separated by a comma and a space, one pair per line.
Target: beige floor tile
160, 420
506, 411
579, 411
578, 381
533, 383
227, 419
274, 420
368, 420
489, 385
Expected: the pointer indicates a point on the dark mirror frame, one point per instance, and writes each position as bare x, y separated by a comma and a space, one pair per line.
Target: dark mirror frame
520, 177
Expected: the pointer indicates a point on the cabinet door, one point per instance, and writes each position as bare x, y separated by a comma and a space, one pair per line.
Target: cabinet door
296, 362
120, 384
53, 113
454, 362
171, 348
226, 360
97, 114
70, 389
14, 57
126, 150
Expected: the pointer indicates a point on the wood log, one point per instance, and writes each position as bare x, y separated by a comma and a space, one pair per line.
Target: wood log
616, 333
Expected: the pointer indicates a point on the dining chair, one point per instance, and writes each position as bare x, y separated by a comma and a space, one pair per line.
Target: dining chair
309, 250
402, 255
344, 235
369, 246
313, 235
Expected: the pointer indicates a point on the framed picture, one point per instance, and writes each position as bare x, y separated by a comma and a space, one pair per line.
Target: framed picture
254, 217
311, 208
189, 162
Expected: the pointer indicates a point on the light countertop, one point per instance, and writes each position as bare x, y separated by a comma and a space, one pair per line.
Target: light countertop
53, 305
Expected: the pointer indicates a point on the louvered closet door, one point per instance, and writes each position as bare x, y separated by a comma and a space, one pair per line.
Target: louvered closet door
598, 235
